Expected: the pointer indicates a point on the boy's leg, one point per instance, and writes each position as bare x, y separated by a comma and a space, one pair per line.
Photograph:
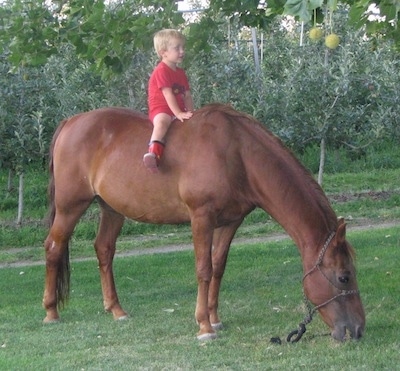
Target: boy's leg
161, 123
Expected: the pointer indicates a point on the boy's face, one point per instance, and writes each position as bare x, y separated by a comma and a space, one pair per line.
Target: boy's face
174, 53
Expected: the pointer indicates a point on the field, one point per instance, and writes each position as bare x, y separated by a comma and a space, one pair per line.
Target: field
261, 295
261, 298
368, 197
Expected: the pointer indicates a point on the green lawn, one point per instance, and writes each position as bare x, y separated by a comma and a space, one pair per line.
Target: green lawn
362, 198
261, 298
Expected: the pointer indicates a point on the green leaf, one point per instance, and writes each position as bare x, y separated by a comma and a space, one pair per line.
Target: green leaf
332, 4
298, 9
388, 10
314, 4
37, 60
357, 16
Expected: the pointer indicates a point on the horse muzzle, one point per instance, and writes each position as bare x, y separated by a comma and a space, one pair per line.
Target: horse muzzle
342, 332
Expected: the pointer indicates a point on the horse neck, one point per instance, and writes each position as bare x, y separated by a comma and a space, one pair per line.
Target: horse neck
284, 188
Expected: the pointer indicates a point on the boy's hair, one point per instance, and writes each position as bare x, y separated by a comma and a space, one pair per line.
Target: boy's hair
163, 37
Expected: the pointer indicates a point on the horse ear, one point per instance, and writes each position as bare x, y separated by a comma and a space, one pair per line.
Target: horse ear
341, 232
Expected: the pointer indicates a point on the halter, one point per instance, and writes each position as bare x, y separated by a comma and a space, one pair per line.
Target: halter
311, 311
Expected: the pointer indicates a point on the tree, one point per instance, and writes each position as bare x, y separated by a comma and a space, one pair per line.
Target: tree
379, 17
107, 34
22, 131
113, 37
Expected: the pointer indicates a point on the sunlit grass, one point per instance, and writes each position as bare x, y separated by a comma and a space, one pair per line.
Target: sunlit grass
356, 196
261, 298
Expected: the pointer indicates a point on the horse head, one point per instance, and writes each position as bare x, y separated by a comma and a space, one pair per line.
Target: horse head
331, 286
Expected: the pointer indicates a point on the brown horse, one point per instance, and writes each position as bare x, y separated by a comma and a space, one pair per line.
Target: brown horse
217, 167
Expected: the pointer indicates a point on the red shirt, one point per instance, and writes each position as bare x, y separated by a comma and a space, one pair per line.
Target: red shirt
165, 77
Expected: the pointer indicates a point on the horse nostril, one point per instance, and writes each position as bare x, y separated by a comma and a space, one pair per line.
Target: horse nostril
344, 279
358, 333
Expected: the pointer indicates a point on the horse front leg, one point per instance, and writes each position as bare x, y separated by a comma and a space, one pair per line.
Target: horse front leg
221, 243
105, 244
202, 240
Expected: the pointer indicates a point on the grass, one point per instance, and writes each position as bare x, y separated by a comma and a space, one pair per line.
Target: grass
377, 180
33, 232
381, 155
261, 298
367, 190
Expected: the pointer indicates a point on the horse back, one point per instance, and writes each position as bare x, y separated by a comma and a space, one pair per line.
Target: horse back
99, 154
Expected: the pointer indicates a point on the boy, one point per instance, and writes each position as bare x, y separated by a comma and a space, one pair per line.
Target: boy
168, 93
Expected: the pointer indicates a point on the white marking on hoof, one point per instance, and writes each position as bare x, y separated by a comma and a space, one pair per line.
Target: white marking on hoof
217, 326
50, 321
207, 336
123, 318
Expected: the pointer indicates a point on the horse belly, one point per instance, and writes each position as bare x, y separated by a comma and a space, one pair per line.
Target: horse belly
159, 213
144, 201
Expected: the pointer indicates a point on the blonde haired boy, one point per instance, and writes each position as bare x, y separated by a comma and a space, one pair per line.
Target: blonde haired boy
169, 94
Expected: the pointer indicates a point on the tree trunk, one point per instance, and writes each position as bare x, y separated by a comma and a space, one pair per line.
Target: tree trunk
321, 161
9, 181
255, 50
20, 198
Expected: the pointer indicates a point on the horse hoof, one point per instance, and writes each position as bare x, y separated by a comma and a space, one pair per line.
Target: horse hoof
51, 320
217, 326
123, 318
207, 336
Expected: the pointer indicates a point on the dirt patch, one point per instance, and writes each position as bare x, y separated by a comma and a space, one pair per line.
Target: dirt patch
372, 195
367, 225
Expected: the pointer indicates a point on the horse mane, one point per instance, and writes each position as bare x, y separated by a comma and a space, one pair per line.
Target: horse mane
245, 119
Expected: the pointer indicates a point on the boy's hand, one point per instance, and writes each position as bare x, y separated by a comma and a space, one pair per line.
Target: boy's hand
184, 115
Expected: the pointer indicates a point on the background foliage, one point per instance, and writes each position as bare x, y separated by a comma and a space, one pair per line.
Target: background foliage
64, 57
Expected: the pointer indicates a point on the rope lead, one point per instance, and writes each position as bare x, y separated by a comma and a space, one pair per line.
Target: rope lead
299, 332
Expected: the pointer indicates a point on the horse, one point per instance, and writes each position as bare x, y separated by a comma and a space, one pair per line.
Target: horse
218, 166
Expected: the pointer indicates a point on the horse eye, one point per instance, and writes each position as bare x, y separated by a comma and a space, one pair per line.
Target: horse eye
344, 279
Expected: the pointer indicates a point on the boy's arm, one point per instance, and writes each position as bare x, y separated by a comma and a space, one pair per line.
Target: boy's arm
188, 101
173, 105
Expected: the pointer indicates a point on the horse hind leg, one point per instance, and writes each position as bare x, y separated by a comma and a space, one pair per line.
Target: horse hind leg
110, 226
56, 245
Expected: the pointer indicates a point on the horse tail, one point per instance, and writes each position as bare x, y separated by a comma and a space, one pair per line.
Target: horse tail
64, 272
63, 279
51, 187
